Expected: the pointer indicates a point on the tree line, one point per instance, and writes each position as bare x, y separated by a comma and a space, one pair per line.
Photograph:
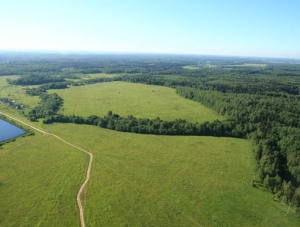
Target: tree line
155, 126
272, 125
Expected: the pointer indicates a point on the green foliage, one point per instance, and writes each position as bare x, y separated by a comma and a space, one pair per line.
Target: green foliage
147, 126
271, 123
37, 91
35, 79
49, 105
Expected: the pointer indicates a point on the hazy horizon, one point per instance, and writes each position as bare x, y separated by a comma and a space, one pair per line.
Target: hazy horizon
263, 29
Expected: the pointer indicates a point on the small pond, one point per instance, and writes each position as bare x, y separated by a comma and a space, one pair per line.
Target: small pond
9, 131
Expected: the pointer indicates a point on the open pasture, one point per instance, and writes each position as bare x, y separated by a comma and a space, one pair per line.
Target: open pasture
39, 180
139, 100
147, 180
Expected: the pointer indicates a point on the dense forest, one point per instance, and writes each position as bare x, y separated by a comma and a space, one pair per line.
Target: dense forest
259, 98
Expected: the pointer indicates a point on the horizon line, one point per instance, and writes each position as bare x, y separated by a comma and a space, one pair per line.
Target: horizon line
95, 52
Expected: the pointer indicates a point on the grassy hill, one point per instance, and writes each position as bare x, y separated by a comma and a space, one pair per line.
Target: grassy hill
139, 100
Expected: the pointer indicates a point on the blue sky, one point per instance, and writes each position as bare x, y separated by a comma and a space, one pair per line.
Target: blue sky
263, 28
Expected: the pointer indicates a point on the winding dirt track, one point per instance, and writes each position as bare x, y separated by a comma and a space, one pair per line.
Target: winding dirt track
81, 190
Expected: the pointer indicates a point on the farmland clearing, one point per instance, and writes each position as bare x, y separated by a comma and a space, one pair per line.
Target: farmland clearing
139, 100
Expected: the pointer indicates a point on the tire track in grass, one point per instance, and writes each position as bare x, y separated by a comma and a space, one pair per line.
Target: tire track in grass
88, 171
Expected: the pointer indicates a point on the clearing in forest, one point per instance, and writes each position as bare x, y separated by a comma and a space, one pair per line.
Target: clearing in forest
139, 100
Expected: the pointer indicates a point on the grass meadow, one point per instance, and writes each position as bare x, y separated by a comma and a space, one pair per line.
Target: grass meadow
139, 100
256, 65
192, 67
83, 77
147, 180
39, 180
16, 93
98, 75
197, 67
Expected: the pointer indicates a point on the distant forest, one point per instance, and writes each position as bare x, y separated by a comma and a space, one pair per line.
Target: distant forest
259, 98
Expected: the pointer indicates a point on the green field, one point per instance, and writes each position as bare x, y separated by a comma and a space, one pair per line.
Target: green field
139, 100
39, 180
83, 77
191, 67
257, 65
197, 67
146, 180
98, 75
16, 93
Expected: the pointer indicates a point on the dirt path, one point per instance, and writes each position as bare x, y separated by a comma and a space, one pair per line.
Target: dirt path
81, 190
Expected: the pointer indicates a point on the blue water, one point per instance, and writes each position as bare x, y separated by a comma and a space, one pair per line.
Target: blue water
9, 131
